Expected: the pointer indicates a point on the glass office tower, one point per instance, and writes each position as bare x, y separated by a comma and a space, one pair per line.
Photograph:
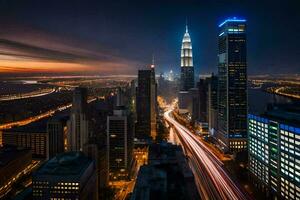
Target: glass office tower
232, 85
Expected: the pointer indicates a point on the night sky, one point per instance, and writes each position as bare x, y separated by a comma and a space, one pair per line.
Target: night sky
118, 37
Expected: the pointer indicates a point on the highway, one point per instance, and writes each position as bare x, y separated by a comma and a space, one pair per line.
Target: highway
38, 93
38, 117
211, 180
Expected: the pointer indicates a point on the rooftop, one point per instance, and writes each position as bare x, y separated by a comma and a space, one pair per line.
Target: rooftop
65, 164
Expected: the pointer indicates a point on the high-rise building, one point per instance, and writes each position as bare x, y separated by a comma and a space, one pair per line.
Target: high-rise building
187, 67
78, 134
119, 143
70, 175
274, 152
57, 133
212, 104
146, 104
232, 84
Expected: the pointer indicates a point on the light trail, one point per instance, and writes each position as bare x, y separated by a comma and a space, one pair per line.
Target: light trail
211, 179
28, 95
38, 117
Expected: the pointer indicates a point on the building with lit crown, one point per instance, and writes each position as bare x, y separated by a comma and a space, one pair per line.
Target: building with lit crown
274, 152
232, 85
187, 67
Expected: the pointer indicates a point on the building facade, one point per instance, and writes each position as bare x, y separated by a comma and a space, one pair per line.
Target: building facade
274, 153
119, 144
232, 85
57, 133
32, 136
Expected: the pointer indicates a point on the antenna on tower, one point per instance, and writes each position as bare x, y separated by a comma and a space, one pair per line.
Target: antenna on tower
152, 65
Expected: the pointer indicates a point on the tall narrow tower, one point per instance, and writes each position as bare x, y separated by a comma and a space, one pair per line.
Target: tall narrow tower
153, 100
232, 85
187, 67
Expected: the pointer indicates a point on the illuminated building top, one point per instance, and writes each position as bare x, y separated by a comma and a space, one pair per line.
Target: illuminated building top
234, 19
186, 50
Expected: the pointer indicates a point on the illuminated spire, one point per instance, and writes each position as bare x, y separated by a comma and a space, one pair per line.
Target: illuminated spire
186, 49
186, 26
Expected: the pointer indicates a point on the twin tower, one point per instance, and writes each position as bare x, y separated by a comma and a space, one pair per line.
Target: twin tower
187, 67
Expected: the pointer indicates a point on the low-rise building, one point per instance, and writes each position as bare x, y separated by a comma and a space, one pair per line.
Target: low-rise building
69, 175
33, 136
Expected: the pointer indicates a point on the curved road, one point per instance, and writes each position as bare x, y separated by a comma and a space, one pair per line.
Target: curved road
211, 179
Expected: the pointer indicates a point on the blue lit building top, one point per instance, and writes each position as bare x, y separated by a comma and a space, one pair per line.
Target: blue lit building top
234, 19
287, 116
258, 118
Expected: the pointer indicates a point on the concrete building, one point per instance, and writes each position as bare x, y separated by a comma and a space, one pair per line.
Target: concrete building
32, 136
232, 85
70, 175
79, 130
274, 152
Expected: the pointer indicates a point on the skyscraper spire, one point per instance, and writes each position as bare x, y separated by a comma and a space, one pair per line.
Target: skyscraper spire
152, 65
187, 67
186, 26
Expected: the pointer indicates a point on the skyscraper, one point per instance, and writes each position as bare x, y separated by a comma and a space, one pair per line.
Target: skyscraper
78, 135
187, 67
146, 104
232, 84
57, 134
119, 139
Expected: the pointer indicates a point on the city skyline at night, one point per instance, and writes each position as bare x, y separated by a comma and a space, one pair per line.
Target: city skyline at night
84, 38
87, 113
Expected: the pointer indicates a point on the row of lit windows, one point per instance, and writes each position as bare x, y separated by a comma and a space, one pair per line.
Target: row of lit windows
61, 183
66, 188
